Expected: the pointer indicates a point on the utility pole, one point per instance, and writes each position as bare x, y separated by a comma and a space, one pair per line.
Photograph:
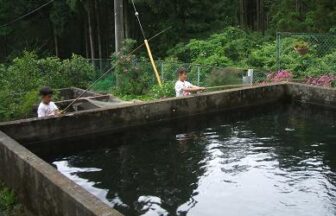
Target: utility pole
119, 24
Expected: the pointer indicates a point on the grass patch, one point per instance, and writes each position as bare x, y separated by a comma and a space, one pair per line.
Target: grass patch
8, 203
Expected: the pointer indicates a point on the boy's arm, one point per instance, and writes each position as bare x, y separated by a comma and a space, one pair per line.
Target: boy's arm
194, 89
56, 110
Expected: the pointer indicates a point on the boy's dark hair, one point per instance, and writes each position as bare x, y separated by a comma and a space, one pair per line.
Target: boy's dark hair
46, 91
181, 70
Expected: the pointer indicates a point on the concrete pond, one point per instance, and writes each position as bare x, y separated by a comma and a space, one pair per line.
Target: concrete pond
228, 150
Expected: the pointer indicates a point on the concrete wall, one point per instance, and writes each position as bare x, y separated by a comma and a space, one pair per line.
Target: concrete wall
312, 94
99, 120
41, 188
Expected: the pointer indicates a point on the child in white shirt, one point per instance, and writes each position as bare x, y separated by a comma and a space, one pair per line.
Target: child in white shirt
47, 107
183, 87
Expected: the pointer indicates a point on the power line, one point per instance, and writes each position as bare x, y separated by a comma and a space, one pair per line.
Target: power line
25, 15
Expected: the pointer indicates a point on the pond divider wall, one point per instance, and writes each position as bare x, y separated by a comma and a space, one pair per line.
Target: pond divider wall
73, 92
312, 94
100, 120
45, 191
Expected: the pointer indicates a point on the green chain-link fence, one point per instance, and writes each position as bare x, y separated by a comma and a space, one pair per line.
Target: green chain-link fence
202, 75
306, 54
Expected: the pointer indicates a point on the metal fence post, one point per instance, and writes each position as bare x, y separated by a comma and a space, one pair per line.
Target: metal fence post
162, 70
278, 39
198, 74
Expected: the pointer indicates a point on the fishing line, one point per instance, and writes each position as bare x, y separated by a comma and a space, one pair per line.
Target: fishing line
25, 15
156, 35
137, 16
109, 70
150, 55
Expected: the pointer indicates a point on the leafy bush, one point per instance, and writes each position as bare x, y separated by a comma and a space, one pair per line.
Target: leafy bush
70, 72
23, 74
324, 65
51, 71
236, 48
167, 90
133, 76
232, 46
301, 65
3, 74
263, 56
77, 71
26, 74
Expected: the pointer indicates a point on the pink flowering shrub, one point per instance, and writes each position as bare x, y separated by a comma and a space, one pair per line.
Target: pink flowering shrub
324, 80
279, 76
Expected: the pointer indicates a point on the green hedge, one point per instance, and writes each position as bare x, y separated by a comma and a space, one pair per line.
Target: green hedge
25, 75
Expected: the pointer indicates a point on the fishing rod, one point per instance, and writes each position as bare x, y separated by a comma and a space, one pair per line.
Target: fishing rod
156, 35
147, 45
227, 86
110, 69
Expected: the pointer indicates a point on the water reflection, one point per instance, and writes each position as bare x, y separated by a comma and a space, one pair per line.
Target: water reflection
278, 162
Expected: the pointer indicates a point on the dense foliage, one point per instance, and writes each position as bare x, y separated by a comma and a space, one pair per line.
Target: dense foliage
86, 27
133, 75
218, 60
167, 90
22, 78
239, 49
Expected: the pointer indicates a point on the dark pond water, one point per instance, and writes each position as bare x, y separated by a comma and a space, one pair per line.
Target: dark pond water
277, 161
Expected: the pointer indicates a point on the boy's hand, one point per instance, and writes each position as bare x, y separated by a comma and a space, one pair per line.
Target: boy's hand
59, 112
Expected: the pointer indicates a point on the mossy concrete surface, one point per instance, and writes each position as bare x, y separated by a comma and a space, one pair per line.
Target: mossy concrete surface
9, 205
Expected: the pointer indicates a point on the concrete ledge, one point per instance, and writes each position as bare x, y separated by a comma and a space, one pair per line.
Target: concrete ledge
100, 120
41, 188
312, 94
